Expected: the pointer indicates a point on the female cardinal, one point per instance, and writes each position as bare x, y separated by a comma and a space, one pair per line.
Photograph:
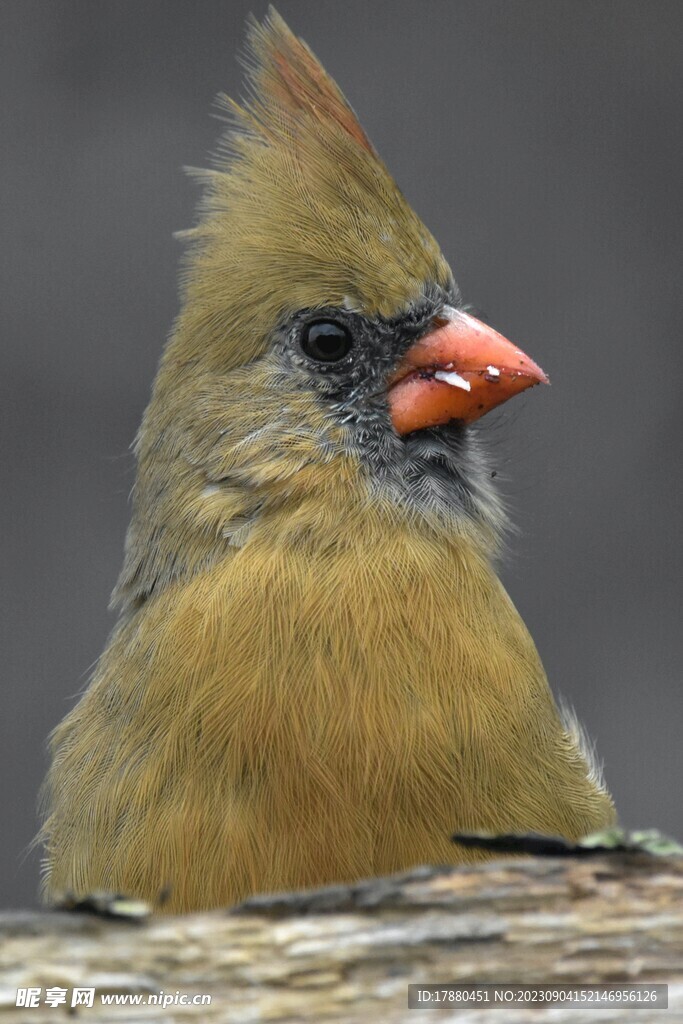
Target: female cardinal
316, 674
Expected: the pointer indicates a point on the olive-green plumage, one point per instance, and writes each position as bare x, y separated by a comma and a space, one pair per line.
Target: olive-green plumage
316, 675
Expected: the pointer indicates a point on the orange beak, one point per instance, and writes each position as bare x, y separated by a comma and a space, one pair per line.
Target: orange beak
459, 371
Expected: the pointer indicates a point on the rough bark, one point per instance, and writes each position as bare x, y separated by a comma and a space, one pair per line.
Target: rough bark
347, 953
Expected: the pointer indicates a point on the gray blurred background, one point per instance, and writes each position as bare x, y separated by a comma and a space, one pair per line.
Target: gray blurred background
542, 145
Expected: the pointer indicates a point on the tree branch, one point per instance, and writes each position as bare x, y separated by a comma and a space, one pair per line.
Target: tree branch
347, 953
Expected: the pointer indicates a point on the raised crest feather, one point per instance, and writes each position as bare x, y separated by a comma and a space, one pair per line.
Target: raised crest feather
298, 210
287, 81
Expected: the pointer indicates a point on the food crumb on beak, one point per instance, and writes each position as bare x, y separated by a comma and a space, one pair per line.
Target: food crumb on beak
493, 371
451, 377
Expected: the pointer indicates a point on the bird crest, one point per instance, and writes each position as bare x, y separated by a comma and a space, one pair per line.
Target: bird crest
284, 75
298, 211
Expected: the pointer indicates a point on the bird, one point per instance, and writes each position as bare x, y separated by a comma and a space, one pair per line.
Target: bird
316, 674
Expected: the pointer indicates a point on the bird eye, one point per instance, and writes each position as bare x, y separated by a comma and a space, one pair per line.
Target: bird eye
327, 341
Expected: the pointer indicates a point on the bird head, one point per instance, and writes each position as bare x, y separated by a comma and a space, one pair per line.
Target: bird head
322, 357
